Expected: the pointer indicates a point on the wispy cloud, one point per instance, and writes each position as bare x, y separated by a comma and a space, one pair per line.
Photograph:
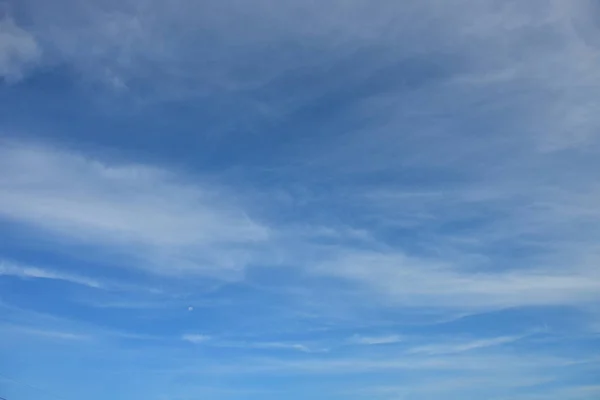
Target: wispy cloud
149, 48
416, 157
20, 271
460, 347
486, 363
169, 226
457, 386
46, 333
174, 227
196, 338
413, 281
19, 50
243, 344
278, 345
576, 392
375, 340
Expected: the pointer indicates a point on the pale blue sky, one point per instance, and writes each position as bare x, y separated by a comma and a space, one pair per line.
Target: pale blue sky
255, 200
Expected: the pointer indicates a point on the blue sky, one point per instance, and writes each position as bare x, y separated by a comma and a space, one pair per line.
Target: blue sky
345, 199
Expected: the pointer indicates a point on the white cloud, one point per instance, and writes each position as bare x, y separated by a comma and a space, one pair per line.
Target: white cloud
17, 270
144, 43
19, 50
487, 363
375, 340
175, 227
46, 333
519, 94
167, 225
434, 387
198, 338
410, 281
195, 338
461, 347
575, 392
278, 345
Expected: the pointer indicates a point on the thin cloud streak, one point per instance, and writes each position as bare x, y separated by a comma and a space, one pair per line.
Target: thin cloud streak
19, 50
196, 338
258, 345
375, 340
490, 362
453, 348
137, 210
413, 281
46, 333
27, 272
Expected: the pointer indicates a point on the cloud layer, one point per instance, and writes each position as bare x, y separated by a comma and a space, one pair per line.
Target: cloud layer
167, 225
273, 196
19, 50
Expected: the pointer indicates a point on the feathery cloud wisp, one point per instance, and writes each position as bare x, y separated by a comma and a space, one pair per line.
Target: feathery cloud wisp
375, 340
12, 269
19, 50
144, 213
453, 348
195, 338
